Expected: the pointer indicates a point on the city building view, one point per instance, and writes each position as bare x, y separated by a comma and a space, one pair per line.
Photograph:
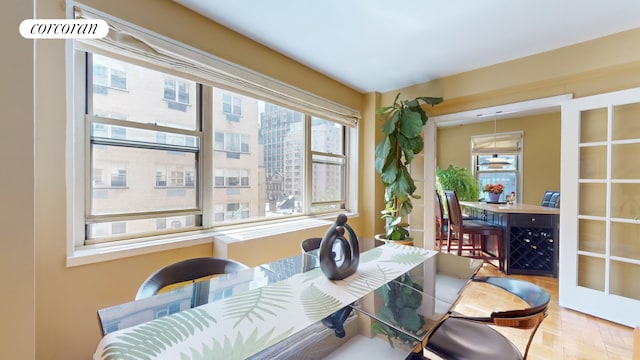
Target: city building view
155, 169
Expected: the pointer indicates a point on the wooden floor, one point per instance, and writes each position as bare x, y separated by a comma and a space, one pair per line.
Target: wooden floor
564, 334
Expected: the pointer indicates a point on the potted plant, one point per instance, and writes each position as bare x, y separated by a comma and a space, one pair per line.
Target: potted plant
493, 191
402, 128
458, 179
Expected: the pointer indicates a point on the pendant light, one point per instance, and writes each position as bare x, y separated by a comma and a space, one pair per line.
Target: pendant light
495, 162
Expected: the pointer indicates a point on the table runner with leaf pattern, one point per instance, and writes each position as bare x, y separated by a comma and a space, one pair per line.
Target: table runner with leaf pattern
242, 325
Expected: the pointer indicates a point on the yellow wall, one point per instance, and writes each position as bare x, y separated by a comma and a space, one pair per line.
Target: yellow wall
66, 299
541, 151
17, 340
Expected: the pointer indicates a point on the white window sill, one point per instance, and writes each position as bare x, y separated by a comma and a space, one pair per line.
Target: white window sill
99, 253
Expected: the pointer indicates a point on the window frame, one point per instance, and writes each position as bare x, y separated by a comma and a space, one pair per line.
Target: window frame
208, 70
518, 138
206, 222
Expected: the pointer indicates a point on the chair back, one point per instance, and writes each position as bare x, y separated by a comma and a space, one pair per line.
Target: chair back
310, 244
453, 209
551, 198
536, 297
187, 270
473, 337
440, 219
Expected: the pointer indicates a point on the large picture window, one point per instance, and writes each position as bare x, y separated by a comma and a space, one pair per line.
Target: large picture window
148, 165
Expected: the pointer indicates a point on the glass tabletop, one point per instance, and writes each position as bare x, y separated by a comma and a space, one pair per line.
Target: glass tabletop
198, 293
394, 319
411, 306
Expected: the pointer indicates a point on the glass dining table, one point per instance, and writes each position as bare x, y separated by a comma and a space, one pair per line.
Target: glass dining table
287, 309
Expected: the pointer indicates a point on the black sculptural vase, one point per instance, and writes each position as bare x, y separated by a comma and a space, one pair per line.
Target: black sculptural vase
339, 257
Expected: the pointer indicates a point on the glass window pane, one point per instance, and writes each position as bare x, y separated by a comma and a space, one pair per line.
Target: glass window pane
624, 161
328, 179
593, 125
326, 136
625, 121
625, 240
625, 201
592, 199
145, 100
506, 178
593, 162
624, 279
134, 180
489, 162
101, 231
112, 132
591, 272
592, 236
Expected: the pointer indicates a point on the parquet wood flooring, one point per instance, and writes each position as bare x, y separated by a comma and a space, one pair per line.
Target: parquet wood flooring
564, 334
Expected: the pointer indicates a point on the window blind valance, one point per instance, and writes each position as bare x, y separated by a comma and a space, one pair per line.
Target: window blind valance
135, 43
502, 143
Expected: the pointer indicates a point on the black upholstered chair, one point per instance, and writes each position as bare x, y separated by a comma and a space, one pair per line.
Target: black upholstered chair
463, 337
187, 270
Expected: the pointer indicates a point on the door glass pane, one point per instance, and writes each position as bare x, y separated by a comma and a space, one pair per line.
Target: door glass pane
625, 200
593, 162
625, 240
592, 199
624, 161
593, 125
624, 279
625, 122
591, 236
591, 272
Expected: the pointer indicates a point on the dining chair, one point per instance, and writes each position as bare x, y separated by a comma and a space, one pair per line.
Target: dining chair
476, 231
308, 245
187, 270
551, 198
441, 222
475, 337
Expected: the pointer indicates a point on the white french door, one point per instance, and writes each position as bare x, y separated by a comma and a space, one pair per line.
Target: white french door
600, 206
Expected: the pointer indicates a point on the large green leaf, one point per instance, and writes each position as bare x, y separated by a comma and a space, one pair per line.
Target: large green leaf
389, 171
390, 126
382, 150
411, 124
430, 100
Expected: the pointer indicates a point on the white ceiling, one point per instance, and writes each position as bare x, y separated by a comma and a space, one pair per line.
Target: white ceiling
382, 45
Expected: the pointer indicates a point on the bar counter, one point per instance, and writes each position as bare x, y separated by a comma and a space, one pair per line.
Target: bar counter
530, 239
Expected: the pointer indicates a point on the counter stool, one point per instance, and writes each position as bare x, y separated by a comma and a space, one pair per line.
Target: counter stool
477, 231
